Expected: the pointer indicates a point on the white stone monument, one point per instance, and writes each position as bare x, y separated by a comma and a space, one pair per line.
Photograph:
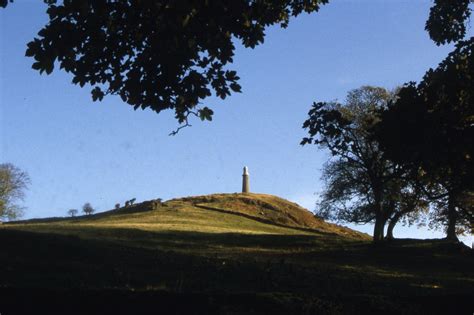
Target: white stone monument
245, 181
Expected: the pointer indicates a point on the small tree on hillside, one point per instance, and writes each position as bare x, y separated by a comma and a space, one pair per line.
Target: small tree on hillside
72, 212
87, 209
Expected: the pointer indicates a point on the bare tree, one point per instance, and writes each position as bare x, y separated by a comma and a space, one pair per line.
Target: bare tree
13, 183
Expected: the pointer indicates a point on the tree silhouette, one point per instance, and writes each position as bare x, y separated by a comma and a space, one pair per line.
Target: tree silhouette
447, 20
87, 209
429, 129
361, 185
156, 54
72, 212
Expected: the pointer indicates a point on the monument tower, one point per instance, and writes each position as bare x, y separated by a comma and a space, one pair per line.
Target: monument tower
245, 181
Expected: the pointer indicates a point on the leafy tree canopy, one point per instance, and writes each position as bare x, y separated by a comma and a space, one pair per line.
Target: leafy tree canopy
156, 54
88, 209
72, 212
429, 129
338, 127
431, 125
360, 184
447, 20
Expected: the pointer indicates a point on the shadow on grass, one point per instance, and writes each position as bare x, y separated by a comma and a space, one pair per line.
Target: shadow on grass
179, 262
161, 302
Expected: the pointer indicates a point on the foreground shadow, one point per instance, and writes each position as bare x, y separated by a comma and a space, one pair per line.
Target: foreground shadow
160, 302
266, 273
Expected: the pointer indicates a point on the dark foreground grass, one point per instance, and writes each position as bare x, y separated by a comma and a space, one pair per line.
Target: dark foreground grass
27, 301
128, 271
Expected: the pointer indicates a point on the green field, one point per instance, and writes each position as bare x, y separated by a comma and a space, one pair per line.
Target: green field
227, 253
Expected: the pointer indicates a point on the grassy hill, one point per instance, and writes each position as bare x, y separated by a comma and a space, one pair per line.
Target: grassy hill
225, 253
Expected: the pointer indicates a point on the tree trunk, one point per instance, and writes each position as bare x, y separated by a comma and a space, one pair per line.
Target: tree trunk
378, 228
452, 218
379, 217
391, 225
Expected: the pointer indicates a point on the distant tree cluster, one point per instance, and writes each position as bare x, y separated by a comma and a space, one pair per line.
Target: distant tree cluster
87, 209
130, 202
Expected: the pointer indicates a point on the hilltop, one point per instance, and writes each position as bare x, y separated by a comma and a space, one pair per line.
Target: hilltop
224, 253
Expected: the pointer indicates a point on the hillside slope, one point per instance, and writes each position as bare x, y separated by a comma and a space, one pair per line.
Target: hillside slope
217, 213
224, 254
270, 209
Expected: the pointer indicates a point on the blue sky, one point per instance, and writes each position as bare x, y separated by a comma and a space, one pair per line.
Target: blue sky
78, 151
